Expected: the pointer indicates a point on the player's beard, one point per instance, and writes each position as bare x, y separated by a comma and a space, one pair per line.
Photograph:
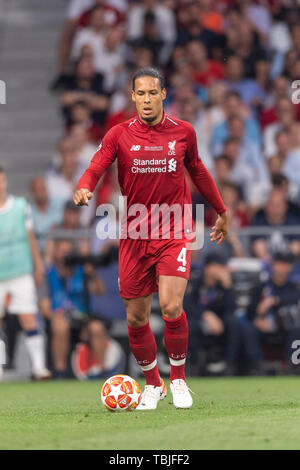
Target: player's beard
149, 119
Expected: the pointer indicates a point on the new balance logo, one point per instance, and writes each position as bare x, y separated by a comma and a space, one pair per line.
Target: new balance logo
135, 148
172, 165
182, 269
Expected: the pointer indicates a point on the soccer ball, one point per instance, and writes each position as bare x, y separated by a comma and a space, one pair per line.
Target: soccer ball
120, 393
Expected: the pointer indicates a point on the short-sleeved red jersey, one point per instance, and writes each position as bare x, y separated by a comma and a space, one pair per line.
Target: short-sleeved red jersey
151, 162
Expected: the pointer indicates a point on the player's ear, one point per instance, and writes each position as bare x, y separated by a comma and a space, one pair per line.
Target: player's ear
133, 95
164, 94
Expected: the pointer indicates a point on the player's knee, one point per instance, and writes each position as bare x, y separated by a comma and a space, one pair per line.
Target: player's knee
136, 319
171, 309
59, 325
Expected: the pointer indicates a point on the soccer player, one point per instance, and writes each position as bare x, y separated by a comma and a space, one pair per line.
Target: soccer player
152, 151
19, 254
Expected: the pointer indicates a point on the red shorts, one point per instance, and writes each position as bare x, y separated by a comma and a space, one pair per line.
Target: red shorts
142, 261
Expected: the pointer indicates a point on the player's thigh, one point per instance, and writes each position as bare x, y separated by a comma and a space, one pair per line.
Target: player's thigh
28, 321
138, 310
137, 276
23, 296
173, 270
171, 291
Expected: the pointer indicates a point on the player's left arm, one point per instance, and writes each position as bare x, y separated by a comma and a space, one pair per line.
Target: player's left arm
35, 252
206, 186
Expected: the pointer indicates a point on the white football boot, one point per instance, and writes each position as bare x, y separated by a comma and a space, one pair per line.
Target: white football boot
40, 375
151, 396
181, 394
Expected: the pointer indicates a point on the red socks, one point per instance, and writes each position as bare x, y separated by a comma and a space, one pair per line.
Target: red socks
176, 342
143, 346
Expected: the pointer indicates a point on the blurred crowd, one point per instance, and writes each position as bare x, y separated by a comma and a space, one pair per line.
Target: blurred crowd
231, 70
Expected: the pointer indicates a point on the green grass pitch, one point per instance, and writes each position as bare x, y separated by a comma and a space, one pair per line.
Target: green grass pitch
231, 413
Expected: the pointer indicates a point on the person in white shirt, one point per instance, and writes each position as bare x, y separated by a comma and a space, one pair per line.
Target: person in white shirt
94, 35
286, 112
74, 10
85, 148
62, 182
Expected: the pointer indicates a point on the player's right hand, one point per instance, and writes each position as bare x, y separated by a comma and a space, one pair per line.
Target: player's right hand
82, 197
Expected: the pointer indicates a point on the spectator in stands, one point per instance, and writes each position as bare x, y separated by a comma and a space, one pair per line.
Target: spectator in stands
238, 217
164, 23
69, 287
80, 113
223, 165
279, 89
211, 16
151, 38
85, 85
110, 63
275, 215
286, 116
46, 211
295, 33
249, 90
64, 146
84, 147
69, 225
294, 136
61, 183
282, 143
113, 12
210, 306
192, 111
234, 106
204, 71
281, 183
251, 175
291, 165
122, 107
259, 17
194, 31
182, 92
140, 57
274, 309
94, 35
231, 194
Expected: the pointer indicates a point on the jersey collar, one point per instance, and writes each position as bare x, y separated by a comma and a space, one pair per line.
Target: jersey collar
157, 127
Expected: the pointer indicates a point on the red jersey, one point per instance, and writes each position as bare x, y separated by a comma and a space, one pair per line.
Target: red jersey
151, 162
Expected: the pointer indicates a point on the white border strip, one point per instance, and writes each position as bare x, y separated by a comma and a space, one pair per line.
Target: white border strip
149, 366
177, 363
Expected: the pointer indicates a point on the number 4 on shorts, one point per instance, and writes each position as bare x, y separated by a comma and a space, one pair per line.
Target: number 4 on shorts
182, 257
